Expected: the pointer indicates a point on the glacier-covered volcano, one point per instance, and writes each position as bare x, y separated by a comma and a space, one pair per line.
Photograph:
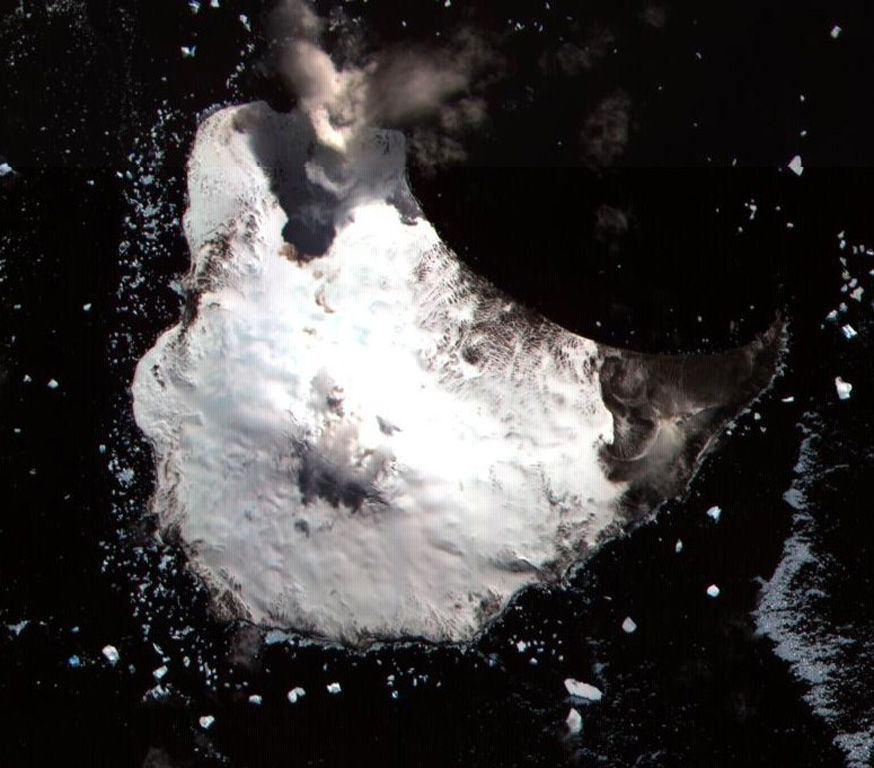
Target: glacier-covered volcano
359, 438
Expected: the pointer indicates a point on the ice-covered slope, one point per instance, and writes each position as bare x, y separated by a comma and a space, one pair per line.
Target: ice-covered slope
366, 440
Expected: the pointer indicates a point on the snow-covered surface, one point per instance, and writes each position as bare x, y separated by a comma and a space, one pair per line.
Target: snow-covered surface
341, 443
358, 438
582, 690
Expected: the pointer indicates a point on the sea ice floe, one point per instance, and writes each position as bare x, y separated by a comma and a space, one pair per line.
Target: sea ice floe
843, 388
582, 690
714, 513
111, 654
795, 165
574, 721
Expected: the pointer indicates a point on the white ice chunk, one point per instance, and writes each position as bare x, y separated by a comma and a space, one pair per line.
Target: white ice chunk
849, 331
574, 721
53, 384
844, 388
111, 654
795, 165
629, 625
86, 307
188, 52
159, 673
334, 688
713, 591
256, 699
5, 168
295, 694
582, 690
678, 547
714, 513
836, 32
206, 722
17, 628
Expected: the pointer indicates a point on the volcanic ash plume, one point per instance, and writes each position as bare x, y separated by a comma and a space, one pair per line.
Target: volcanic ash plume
396, 87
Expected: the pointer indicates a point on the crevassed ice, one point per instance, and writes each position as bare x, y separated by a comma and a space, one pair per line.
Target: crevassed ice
369, 441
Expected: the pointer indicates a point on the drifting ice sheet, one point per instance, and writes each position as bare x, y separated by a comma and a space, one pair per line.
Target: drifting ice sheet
367, 441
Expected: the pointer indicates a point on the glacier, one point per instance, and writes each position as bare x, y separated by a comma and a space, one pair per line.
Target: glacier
358, 438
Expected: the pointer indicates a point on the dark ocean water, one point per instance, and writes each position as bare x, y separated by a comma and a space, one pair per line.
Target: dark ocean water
98, 97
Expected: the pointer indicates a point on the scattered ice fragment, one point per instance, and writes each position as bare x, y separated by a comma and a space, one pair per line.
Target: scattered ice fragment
111, 654
5, 168
214, 3
194, 6
53, 384
206, 722
582, 690
74, 661
188, 52
844, 388
574, 721
787, 399
714, 513
86, 307
836, 32
244, 20
16, 628
160, 672
678, 547
849, 331
521, 646
833, 315
629, 625
857, 292
27, 379
795, 165
255, 699
334, 688
713, 591
297, 692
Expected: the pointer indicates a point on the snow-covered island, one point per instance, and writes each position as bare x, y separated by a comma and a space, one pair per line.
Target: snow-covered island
358, 438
